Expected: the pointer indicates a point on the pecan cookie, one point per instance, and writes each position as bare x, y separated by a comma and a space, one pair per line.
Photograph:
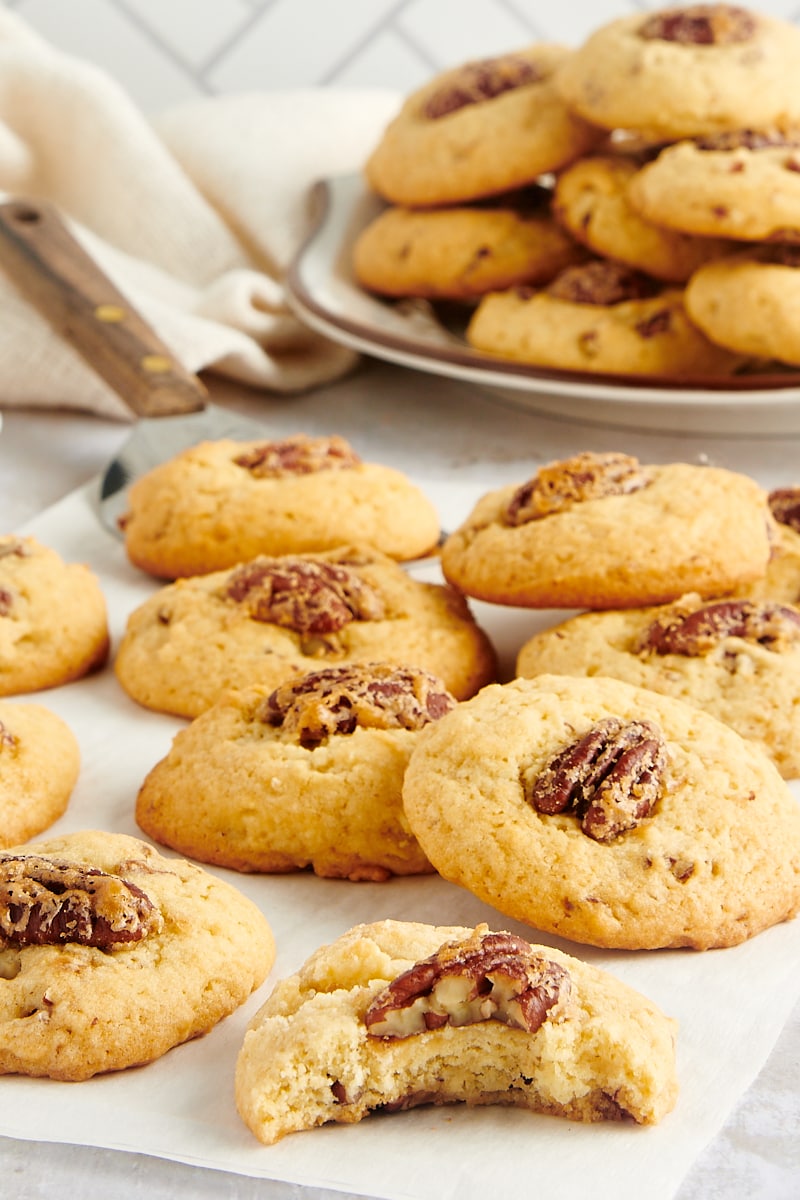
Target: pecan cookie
53, 621
460, 253
39, 764
738, 659
396, 1014
601, 316
686, 71
274, 619
221, 503
308, 775
592, 202
743, 185
110, 954
605, 531
608, 814
747, 302
480, 129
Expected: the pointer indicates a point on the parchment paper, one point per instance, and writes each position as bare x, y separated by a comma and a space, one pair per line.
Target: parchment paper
731, 1004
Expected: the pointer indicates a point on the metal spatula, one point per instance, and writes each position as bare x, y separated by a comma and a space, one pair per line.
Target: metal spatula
54, 272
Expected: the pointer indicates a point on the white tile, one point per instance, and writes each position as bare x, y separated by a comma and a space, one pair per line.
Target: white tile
386, 61
454, 31
571, 21
192, 29
299, 43
95, 30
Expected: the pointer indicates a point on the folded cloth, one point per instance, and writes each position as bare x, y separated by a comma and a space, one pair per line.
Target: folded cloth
194, 214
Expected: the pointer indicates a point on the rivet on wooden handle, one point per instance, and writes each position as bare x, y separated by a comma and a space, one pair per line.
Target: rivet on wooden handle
54, 272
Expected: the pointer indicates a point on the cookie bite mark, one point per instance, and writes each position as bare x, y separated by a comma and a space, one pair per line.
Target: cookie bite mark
439, 1015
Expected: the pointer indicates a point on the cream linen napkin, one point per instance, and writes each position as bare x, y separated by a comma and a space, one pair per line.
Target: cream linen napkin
195, 215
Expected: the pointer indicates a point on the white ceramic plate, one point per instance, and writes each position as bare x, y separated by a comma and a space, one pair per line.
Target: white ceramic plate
323, 292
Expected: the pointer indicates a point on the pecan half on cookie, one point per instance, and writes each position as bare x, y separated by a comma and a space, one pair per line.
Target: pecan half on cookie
610, 778
700, 25
47, 902
784, 504
486, 977
339, 700
561, 485
697, 630
302, 594
298, 455
481, 80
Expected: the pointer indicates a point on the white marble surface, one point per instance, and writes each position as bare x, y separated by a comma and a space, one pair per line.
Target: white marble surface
434, 430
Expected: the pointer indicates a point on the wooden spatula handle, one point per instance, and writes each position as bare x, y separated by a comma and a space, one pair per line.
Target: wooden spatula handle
53, 271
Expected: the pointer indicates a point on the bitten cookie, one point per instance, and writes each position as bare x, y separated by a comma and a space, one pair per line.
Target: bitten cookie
591, 201
39, 765
743, 185
462, 253
603, 317
738, 659
273, 619
397, 1014
111, 954
221, 503
748, 302
608, 814
483, 128
53, 622
605, 531
687, 71
309, 775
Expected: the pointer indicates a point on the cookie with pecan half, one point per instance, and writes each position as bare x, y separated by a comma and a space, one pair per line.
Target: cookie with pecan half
53, 619
747, 301
736, 658
606, 531
461, 252
484, 127
685, 71
743, 186
309, 774
220, 503
397, 1014
608, 814
604, 317
111, 954
39, 764
593, 203
272, 620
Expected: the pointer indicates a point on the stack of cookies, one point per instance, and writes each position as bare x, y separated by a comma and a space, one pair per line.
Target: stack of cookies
631, 207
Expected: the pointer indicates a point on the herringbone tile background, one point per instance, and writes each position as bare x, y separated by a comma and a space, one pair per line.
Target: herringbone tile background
167, 51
